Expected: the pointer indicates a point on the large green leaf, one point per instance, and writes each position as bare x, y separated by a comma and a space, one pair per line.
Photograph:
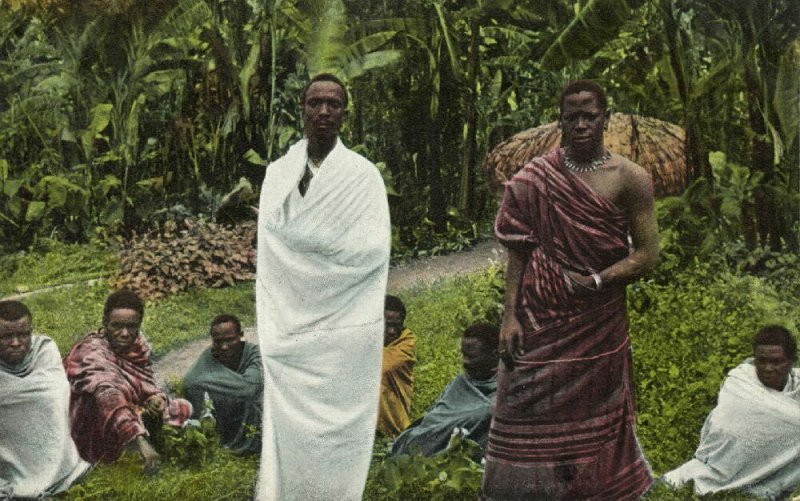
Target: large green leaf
787, 94
595, 25
101, 116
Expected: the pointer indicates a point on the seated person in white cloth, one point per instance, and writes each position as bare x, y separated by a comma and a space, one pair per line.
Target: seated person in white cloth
37, 455
751, 440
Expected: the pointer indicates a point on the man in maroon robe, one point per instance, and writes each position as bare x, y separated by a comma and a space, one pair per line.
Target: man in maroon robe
563, 421
113, 388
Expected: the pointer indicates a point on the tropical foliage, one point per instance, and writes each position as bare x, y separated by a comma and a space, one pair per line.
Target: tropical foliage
119, 115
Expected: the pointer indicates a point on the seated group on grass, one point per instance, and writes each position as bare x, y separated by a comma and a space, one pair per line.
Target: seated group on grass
59, 417
465, 404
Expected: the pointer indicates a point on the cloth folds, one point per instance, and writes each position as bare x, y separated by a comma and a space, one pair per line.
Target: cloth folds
37, 455
321, 279
397, 384
465, 403
237, 396
108, 393
750, 440
563, 422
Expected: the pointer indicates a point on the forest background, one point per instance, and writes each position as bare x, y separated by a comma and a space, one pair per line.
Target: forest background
134, 134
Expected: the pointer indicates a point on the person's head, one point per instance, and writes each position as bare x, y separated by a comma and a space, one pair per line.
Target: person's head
122, 319
324, 105
394, 317
774, 353
479, 350
584, 113
15, 332
227, 343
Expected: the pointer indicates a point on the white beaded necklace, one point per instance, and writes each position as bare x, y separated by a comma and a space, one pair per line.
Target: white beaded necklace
585, 167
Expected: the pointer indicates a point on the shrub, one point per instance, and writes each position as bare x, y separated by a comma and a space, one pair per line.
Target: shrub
449, 475
686, 336
195, 254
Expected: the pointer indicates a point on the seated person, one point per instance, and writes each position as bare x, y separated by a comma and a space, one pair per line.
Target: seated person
751, 439
37, 455
397, 370
465, 403
114, 390
230, 373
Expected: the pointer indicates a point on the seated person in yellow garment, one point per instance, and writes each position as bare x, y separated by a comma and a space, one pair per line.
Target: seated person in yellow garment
751, 439
399, 358
230, 373
37, 455
465, 404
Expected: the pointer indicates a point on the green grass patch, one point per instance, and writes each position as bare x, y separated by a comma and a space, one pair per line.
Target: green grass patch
225, 477
686, 334
68, 314
52, 263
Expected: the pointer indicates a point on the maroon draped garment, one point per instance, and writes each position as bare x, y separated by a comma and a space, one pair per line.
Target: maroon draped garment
107, 391
563, 421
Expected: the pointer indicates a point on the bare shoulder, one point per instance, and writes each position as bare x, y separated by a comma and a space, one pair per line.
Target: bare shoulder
637, 184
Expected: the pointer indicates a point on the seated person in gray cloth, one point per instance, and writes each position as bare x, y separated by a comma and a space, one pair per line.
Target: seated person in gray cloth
751, 439
37, 455
466, 403
230, 373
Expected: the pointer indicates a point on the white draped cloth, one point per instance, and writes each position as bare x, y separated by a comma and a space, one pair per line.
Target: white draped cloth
37, 454
321, 276
750, 441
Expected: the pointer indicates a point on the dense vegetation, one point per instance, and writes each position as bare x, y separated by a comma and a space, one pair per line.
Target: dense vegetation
126, 122
120, 115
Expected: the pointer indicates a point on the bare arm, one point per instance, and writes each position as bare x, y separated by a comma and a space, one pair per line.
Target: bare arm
637, 197
510, 330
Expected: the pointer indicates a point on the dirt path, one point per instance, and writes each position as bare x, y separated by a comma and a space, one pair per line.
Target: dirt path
420, 272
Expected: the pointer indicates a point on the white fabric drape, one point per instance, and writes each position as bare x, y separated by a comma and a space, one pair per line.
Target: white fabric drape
321, 278
37, 454
750, 440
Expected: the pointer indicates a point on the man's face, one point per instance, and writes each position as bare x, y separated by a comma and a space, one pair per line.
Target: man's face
227, 344
122, 328
772, 365
15, 340
323, 110
582, 124
480, 361
392, 326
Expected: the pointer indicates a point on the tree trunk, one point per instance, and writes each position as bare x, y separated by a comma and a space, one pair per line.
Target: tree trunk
466, 201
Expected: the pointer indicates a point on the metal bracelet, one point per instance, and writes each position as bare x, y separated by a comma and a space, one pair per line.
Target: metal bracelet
598, 282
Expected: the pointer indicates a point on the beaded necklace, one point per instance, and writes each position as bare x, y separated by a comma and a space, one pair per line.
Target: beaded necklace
585, 167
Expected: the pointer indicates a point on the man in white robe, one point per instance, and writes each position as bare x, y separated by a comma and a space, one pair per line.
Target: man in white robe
323, 254
751, 439
37, 455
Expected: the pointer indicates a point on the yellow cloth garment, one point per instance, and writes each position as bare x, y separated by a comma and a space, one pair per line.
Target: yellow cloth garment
397, 382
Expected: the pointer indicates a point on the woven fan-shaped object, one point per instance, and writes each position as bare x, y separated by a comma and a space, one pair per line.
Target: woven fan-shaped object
656, 145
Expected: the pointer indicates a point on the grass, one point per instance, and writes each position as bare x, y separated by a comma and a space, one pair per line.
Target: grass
680, 360
53, 263
66, 315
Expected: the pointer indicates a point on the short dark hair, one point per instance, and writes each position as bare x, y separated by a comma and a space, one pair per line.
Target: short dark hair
579, 86
777, 335
394, 303
326, 77
487, 333
225, 318
11, 311
123, 299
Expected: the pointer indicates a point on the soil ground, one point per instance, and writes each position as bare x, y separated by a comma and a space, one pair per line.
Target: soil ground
420, 272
